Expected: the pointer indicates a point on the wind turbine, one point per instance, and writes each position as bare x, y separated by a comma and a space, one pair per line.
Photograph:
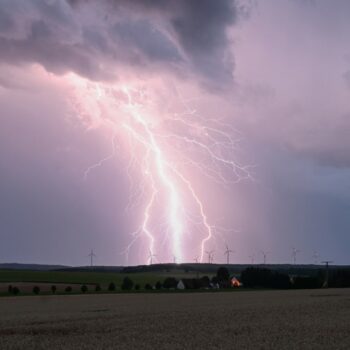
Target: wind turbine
210, 255
150, 257
91, 255
252, 258
315, 257
264, 254
212, 258
294, 254
227, 253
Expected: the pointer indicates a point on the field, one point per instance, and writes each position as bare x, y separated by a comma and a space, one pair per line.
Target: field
26, 279
303, 319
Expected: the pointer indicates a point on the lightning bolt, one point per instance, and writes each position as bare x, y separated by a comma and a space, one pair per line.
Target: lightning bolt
164, 149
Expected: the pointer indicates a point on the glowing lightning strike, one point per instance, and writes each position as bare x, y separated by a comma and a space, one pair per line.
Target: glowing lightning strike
161, 165
166, 149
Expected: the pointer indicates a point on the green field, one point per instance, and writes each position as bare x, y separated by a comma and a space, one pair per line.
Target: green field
88, 277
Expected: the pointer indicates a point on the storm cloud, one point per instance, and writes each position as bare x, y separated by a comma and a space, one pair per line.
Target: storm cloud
280, 76
98, 39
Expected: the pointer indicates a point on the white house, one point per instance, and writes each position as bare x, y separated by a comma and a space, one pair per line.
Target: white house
180, 285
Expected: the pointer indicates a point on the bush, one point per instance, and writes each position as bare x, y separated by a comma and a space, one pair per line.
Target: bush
170, 282
127, 284
158, 285
53, 289
36, 290
137, 287
84, 288
148, 286
15, 290
68, 289
111, 287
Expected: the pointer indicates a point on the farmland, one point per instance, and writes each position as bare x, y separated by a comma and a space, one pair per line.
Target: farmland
74, 277
26, 279
302, 319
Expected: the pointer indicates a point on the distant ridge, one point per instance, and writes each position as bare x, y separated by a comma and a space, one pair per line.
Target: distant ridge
189, 267
91, 268
34, 267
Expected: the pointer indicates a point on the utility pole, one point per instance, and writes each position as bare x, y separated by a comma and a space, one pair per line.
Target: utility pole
325, 284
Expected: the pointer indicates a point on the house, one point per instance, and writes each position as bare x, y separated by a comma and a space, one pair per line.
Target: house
235, 282
180, 285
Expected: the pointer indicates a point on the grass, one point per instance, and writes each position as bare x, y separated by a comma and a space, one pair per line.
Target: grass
75, 277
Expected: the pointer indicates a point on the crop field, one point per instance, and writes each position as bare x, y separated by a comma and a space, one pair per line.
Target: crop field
25, 279
303, 319
74, 277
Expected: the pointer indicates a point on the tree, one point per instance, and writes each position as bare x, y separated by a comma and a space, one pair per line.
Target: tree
214, 280
36, 290
170, 282
253, 277
158, 285
127, 283
15, 290
9, 288
97, 288
256, 277
111, 287
222, 274
204, 282
137, 287
68, 289
53, 289
84, 288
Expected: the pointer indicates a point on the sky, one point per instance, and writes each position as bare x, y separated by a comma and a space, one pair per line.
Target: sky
174, 128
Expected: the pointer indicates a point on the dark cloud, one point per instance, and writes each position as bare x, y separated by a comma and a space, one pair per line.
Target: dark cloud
93, 39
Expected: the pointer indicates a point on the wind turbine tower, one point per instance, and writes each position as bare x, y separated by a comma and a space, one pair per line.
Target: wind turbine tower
264, 254
315, 257
210, 256
294, 254
227, 253
91, 255
150, 257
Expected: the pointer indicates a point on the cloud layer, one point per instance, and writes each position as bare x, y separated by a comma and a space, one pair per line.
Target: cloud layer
98, 39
